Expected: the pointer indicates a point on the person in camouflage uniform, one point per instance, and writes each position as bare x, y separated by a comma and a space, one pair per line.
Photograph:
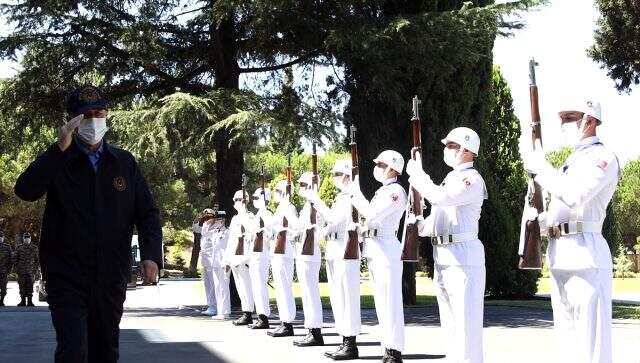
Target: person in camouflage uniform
5, 266
26, 265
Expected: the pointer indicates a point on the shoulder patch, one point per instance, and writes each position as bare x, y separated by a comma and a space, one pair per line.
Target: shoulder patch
395, 197
603, 164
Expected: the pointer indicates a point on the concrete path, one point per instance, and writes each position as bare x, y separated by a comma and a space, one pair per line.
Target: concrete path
163, 325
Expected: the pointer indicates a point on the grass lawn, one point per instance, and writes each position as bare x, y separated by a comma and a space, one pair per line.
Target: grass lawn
425, 296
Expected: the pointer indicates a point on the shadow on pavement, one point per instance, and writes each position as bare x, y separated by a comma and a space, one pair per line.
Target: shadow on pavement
405, 357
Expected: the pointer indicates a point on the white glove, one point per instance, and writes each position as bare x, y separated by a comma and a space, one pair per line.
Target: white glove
353, 227
535, 161
413, 219
530, 213
414, 168
354, 187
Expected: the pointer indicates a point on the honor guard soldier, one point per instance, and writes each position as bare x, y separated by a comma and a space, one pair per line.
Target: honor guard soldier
282, 259
459, 270
6, 261
26, 266
237, 256
259, 263
382, 248
579, 259
308, 264
206, 252
215, 237
343, 274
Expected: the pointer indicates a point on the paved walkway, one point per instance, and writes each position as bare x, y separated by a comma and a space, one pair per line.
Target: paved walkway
161, 324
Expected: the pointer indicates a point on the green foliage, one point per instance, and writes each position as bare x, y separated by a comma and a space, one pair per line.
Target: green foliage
626, 202
179, 261
558, 157
621, 263
617, 41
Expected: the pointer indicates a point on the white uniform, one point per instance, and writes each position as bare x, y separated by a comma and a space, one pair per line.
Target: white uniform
206, 252
214, 242
459, 276
343, 275
282, 264
308, 269
383, 252
580, 262
240, 262
259, 262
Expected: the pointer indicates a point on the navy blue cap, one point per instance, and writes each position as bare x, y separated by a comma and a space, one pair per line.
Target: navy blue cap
85, 98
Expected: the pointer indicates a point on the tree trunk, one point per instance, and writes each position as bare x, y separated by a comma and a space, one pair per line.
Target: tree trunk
195, 252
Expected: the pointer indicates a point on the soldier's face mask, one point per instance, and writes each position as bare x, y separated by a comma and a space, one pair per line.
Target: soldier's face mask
258, 202
92, 130
452, 156
380, 172
573, 131
339, 181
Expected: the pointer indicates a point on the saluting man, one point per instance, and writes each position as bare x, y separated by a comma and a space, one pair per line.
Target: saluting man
308, 266
206, 251
216, 235
578, 255
282, 261
259, 263
459, 270
343, 275
237, 256
382, 248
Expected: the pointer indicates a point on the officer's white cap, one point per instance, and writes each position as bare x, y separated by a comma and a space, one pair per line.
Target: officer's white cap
281, 186
307, 178
342, 166
465, 137
588, 107
392, 158
238, 195
258, 193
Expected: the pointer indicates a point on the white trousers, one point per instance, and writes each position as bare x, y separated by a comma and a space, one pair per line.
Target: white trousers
282, 269
243, 283
460, 294
309, 278
582, 314
221, 285
386, 278
259, 272
344, 294
209, 290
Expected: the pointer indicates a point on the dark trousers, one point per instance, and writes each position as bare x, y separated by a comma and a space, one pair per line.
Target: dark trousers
25, 285
87, 322
3, 284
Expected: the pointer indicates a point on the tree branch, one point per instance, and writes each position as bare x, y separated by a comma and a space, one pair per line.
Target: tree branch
280, 66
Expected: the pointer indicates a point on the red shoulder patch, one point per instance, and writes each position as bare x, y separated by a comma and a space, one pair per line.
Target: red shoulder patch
467, 182
395, 197
603, 164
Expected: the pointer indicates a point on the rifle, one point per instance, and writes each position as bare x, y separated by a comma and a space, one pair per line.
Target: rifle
411, 239
530, 253
240, 245
310, 236
352, 249
258, 242
281, 238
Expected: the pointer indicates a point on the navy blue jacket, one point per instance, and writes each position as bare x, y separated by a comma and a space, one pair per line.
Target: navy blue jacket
89, 216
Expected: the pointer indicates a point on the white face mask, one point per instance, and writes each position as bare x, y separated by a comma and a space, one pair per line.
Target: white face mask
258, 203
239, 206
571, 134
92, 130
379, 174
451, 157
218, 222
338, 182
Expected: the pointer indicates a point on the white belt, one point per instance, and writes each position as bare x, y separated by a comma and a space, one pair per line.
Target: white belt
574, 227
453, 238
379, 233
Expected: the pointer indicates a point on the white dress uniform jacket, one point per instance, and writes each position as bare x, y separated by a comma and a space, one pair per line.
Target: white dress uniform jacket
241, 226
282, 264
382, 249
259, 263
579, 261
459, 276
214, 244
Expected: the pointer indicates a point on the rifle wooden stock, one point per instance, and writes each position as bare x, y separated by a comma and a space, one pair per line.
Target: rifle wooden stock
352, 250
411, 241
532, 254
310, 236
258, 242
281, 239
240, 245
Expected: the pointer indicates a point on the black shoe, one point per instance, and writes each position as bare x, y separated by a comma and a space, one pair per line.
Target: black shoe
29, 301
245, 319
284, 330
1, 300
313, 339
330, 354
22, 302
347, 351
262, 323
392, 356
